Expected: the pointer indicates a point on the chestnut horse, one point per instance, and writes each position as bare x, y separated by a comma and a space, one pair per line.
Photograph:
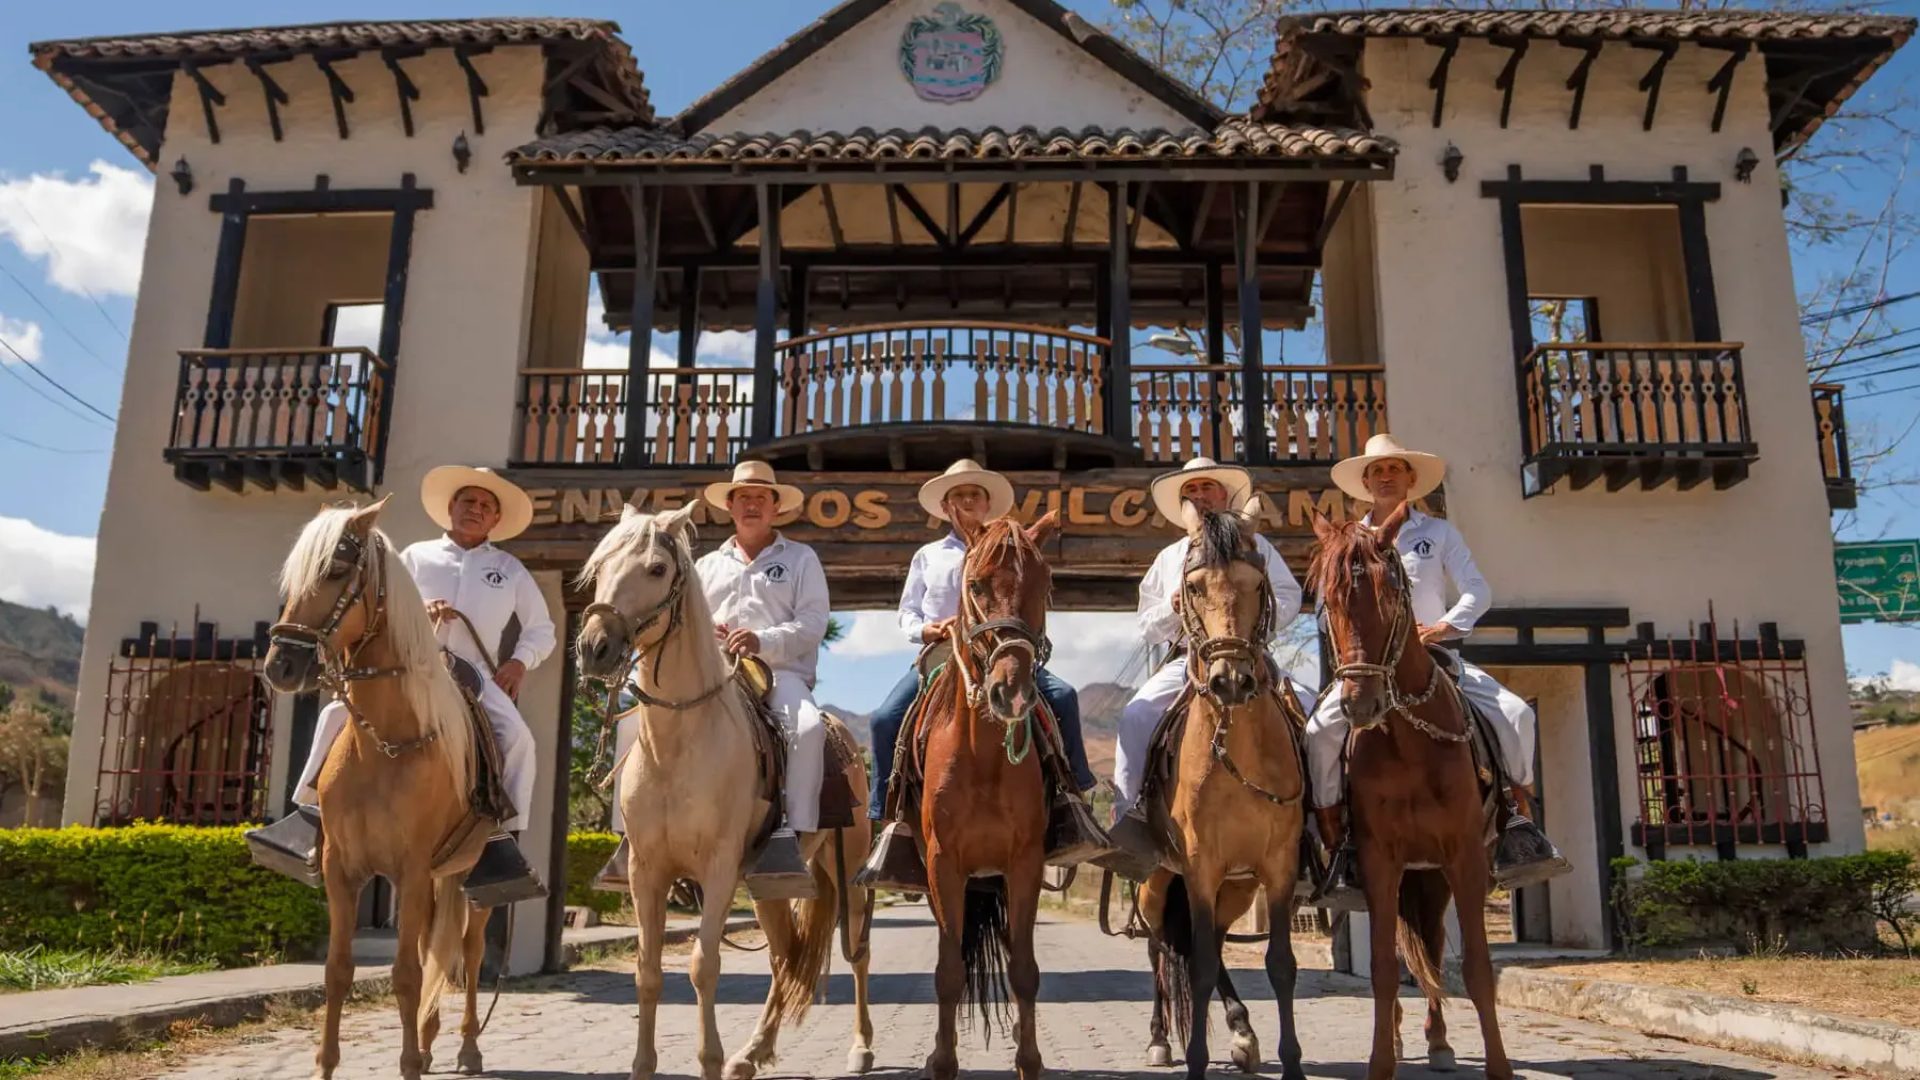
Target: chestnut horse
1413, 792
983, 817
394, 789
692, 805
1233, 808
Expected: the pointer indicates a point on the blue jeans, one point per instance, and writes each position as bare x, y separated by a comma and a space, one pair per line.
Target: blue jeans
892, 712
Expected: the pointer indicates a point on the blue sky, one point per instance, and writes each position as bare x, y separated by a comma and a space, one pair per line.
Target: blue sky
72, 220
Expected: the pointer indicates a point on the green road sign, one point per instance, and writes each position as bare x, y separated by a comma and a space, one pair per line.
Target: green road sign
1879, 582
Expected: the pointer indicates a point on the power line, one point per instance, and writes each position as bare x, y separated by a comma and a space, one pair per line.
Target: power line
44, 396
1882, 393
1881, 355
1856, 309
57, 320
42, 446
1863, 342
55, 248
51, 381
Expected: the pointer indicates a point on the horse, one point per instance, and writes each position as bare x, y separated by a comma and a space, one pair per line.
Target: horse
1232, 807
1413, 791
354, 622
691, 805
983, 815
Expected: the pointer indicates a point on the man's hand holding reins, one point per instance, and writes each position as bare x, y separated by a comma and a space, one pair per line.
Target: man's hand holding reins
937, 630
739, 642
439, 611
1438, 632
509, 677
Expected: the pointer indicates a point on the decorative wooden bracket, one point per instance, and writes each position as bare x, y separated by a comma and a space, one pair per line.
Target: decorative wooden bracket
210, 96
476, 86
1650, 82
1437, 82
403, 85
1505, 82
337, 87
1577, 82
276, 96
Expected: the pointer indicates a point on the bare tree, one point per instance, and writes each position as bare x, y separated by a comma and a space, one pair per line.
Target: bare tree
32, 756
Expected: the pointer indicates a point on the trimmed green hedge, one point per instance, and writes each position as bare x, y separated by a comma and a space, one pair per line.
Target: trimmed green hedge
166, 889
1811, 905
587, 852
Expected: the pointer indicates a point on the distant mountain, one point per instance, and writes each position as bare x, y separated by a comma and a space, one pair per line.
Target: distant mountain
40, 652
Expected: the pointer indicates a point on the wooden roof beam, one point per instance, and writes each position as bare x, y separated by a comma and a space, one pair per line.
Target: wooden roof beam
1504, 83
833, 225
1437, 82
337, 87
1000, 195
1332, 216
402, 84
1073, 216
275, 94
1650, 82
210, 96
1577, 82
1201, 214
920, 214
476, 86
1722, 81
703, 214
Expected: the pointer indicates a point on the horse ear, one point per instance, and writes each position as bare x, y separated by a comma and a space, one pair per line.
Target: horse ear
1390, 529
365, 516
1324, 528
1191, 518
1250, 513
677, 522
629, 510
1043, 530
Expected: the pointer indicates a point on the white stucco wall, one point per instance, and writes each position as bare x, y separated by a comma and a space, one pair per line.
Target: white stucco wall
1047, 81
1760, 551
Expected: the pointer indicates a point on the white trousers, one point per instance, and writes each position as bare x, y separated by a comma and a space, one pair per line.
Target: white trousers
792, 702
1513, 727
517, 752
1137, 722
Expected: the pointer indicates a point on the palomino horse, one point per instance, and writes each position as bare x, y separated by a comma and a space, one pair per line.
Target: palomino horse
984, 811
354, 623
691, 803
1232, 808
1413, 791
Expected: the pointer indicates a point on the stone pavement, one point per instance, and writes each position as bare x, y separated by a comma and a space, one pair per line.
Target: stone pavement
1094, 998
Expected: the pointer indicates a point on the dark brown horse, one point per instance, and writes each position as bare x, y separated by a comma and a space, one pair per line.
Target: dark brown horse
1413, 791
984, 813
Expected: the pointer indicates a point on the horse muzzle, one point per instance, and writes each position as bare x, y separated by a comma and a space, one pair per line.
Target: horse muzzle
1231, 684
292, 667
1365, 702
1011, 700
599, 652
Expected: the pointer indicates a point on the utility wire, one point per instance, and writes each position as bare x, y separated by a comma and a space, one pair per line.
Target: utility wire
55, 248
51, 381
42, 446
57, 320
1856, 309
1881, 355
44, 396
1862, 343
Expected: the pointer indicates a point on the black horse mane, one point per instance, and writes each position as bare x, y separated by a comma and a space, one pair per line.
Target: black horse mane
1221, 537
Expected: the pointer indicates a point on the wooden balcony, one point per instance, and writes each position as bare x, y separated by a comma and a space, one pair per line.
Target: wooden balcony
273, 418
1836, 458
1625, 414
915, 395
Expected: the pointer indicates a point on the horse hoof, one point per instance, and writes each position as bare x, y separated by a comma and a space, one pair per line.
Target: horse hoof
1399, 1047
739, 1068
470, 1063
1440, 1060
1246, 1054
1159, 1055
859, 1060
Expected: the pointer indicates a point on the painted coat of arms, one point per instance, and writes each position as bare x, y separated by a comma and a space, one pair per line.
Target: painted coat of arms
951, 55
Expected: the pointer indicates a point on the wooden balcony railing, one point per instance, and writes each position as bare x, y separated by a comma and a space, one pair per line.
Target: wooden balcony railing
278, 417
577, 416
1626, 413
942, 373
1836, 460
1314, 414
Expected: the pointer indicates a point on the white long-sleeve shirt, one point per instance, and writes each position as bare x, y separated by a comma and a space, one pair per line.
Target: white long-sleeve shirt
1159, 623
489, 587
781, 596
1433, 552
933, 586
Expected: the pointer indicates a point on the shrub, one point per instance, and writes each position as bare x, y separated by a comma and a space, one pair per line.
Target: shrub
1806, 904
167, 890
587, 852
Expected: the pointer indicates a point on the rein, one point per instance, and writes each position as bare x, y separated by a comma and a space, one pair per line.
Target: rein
1205, 650
997, 638
631, 629
339, 672
1398, 633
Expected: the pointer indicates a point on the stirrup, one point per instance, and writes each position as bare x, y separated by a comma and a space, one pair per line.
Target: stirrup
894, 863
1340, 891
1073, 837
290, 846
613, 876
779, 872
1134, 855
501, 875
1523, 856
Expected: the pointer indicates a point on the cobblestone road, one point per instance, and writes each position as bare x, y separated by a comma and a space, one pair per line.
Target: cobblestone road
1093, 1019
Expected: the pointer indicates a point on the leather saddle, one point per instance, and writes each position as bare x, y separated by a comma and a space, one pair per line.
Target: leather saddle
837, 797
1489, 766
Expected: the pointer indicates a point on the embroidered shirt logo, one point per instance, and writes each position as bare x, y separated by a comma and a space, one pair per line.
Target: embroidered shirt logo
494, 578
1423, 548
777, 572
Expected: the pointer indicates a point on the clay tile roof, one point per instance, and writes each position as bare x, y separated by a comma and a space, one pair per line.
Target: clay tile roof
1731, 24
1236, 138
84, 66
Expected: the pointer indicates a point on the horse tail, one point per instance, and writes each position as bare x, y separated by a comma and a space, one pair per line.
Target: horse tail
1173, 975
984, 948
442, 947
1423, 906
796, 974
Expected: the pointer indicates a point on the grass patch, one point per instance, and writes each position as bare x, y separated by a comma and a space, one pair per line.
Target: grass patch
40, 968
1883, 988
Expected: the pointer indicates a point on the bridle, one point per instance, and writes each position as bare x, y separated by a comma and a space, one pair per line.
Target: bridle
1399, 631
1205, 649
366, 563
982, 642
630, 630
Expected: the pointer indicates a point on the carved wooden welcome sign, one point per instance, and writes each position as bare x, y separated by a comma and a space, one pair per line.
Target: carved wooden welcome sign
866, 526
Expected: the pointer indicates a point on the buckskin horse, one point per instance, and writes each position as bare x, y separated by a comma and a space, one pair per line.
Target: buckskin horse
691, 804
1413, 790
354, 623
1229, 814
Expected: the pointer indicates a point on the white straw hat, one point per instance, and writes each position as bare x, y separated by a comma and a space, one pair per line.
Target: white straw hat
442, 484
1428, 469
1166, 487
960, 474
756, 474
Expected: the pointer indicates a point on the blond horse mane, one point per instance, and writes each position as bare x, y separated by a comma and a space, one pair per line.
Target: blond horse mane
428, 689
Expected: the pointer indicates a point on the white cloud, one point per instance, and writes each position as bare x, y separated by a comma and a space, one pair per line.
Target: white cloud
1088, 647
1903, 675
92, 231
871, 634
24, 340
41, 568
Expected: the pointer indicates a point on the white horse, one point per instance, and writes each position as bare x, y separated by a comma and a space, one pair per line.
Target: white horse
689, 794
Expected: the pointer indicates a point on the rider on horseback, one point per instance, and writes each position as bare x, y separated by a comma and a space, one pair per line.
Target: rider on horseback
967, 496
1432, 551
1213, 488
473, 591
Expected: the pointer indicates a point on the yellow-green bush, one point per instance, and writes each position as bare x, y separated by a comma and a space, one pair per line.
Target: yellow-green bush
587, 852
163, 889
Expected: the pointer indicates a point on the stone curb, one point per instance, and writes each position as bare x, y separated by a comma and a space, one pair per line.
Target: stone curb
223, 1011
1778, 1030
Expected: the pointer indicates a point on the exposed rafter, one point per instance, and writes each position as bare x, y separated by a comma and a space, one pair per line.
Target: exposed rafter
1504, 83
1073, 217
275, 94
337, 87
1332, 217
1201, 213
1577, 82
703, 214
402, 84
1437, 82
1000, 195
476, 86
210, 96
1722, 81
1138, 210
1650, 82
1013, 211
920, 214
893, 216
1270, 200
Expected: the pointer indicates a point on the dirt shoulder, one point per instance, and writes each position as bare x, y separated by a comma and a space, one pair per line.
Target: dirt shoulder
1868, 988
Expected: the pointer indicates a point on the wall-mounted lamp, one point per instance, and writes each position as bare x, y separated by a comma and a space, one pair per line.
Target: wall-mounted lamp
1744, 163
1450, 162
182, 175
462, 153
